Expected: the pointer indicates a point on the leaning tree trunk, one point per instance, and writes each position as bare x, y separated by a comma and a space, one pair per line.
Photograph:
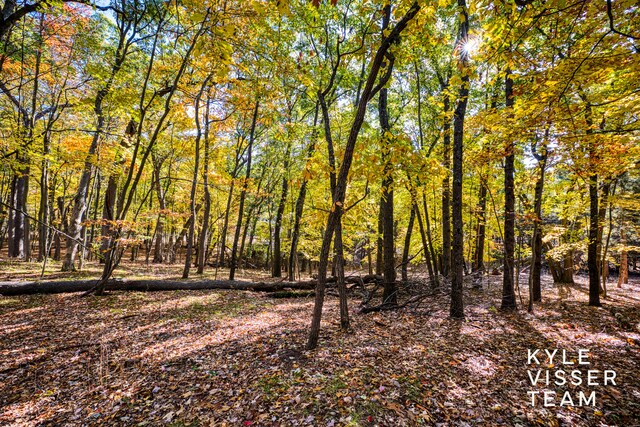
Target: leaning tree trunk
80, 198
341, 183
337, 244
110, 195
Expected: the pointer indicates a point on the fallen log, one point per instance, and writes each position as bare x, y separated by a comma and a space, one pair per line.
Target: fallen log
146, 285
150, 285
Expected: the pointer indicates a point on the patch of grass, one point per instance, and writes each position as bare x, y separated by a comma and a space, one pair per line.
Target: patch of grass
335, 385
411, 387
180, 423
8, 301
272, 385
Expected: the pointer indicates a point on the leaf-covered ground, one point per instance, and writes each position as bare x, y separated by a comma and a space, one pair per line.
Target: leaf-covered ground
236, 358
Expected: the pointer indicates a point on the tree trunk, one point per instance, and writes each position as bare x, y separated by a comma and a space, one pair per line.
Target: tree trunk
623, 273
602, 214
407, 246
434, 259
379, 241
159, 249
432, 277
203, 242
18, 224
80, 198
295, 236
508, 289
446, 195
339, 194
243, 194
337, 244
43, 214
536, 238
277, 252
194, 182
457, 254
592, 251
478, 256
592, 254
390, 292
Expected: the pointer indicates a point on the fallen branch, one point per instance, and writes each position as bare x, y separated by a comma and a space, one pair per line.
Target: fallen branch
146, 285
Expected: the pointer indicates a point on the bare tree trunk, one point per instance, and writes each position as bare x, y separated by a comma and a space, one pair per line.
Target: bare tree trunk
407, 246
43, 214
602, 213
379, 241
203, 243
478, 256
457, 254
508, 290
295, 236
390, 292
194, 182
446, 195
159, 249
434, 259
277, 252
592, 251
243, 194
623, 274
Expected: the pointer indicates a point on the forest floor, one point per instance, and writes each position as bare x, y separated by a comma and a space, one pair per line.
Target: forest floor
215, 358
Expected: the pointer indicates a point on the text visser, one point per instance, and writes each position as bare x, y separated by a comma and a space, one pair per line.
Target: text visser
558, 359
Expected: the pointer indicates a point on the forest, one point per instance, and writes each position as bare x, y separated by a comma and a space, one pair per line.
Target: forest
312, 212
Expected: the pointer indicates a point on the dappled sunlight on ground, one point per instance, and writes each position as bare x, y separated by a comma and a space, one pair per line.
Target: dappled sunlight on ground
215, 357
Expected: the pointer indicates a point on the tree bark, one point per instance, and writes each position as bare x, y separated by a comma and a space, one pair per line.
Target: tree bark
536, 238
592, 250
277, 252
508, 289
623, 273
302, 194
194, 182
243, 194
478, 256
390, 292
80, 198
446, 195
407, 246
456, 309
339, 194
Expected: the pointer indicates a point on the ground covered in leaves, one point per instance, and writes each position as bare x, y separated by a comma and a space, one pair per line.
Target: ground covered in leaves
201, 358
